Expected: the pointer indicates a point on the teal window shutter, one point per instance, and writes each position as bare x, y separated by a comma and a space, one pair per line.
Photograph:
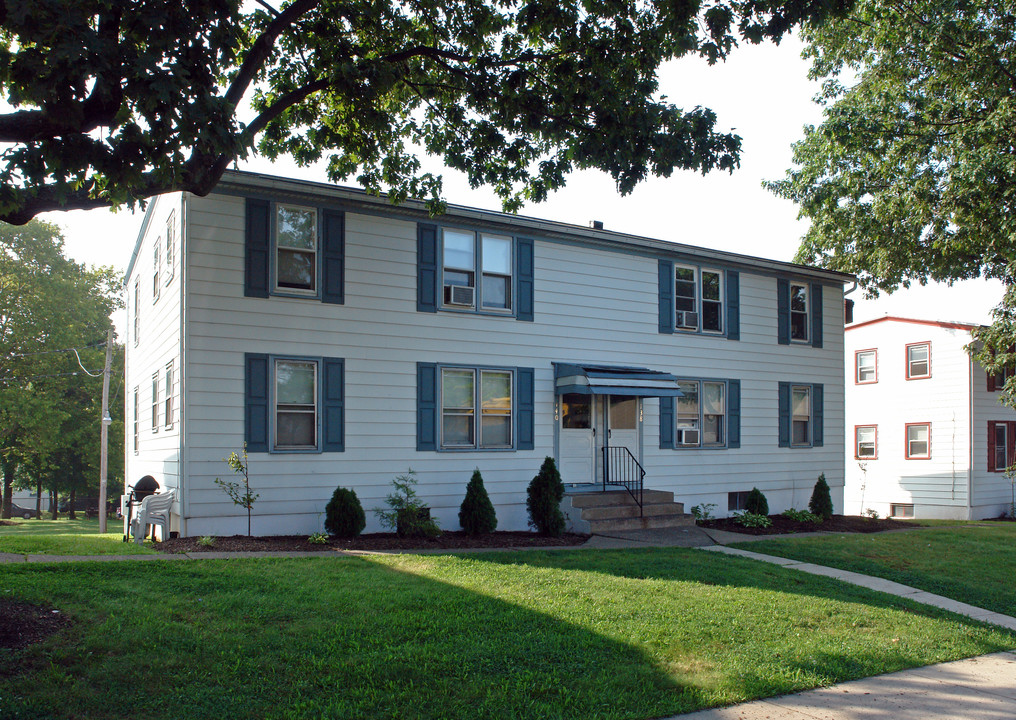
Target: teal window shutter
816, 315
784, 418
333, 397
733, 305
525, 278
426, 268
525, 414
817, 416
733, 413
666, 270
426, 406
666, 423
255, 415
256, 252
333, 257
783, 311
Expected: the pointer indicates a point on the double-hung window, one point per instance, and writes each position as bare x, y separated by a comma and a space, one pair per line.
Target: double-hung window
866, 367
1001, 445
866, 442
701, 414
296, 249
476, 271
170, 246
156, 270
801, 415
155, 402
918, 441
137, 310
168, 399
137, 423
918, 361
698, 299
798, 312
296, 392
476, 408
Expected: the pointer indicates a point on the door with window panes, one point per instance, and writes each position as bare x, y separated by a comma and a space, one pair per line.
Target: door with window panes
587, 424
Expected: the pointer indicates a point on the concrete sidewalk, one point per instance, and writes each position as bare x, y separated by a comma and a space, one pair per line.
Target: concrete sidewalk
980, 688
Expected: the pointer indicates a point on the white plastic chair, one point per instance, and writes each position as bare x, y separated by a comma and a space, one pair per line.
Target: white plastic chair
154, 511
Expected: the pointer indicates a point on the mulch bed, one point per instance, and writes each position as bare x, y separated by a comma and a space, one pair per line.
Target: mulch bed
837, 523
22, 624
375, 541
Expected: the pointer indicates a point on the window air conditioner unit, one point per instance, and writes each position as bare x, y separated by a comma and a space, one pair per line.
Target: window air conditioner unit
686, 319
688, 437
459, 295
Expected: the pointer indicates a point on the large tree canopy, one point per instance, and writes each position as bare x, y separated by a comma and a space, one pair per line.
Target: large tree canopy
118, 100
912, 174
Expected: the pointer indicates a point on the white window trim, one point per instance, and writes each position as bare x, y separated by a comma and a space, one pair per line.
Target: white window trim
274, 419
167, 401
156, 406
477, 409
995, 425
278, 290
157, 271
137, 310
699, 299
478, 273
811, 416
807, 312
137, 421
700, 422
170, 247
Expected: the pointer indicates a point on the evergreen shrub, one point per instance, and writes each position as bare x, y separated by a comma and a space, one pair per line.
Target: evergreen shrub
344, 515
543, 500
476, 514
821, 502
756, 503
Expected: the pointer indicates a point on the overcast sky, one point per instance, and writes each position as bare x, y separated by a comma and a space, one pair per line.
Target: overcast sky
762, 93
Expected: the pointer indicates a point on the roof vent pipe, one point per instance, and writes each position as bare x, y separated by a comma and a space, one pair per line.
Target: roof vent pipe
596, 224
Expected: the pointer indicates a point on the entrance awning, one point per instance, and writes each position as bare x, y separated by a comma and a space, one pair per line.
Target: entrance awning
613, 380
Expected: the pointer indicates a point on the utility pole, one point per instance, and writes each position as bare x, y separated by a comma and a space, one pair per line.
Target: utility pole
106, 420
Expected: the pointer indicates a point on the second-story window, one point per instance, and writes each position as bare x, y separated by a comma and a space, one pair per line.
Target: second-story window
476, 271
799, 312
918, 361
698, 299
157, 270
170, 246
137, 311
865, 366
296, 247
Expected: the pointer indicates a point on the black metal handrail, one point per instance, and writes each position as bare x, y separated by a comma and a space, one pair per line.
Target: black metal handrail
620, 467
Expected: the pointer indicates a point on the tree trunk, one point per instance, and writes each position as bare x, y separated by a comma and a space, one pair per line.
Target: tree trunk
8, 467
38, 499
70, 514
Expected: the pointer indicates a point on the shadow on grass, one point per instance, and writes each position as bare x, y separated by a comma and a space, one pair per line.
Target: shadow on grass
353, 638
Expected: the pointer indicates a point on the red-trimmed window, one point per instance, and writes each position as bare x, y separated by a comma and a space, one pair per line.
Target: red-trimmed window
865, 367
918, 441
918, 361
866, 442
1001, 445
997, 381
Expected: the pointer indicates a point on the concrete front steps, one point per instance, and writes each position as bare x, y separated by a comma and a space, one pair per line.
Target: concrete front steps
614, 510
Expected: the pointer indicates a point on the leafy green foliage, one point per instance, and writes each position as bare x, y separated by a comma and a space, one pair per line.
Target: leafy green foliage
49, 407
239, 494
367, 86
543, 500
703, 511
821, 502
206, 541
476, 514
802, 516
749, 519
317, 539
909, 176
344, 516
756, 503
406, 514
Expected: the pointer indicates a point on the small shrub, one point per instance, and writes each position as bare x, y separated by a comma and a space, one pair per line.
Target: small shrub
752, 520
871, 513
802, 516
246, 498
756, 503
543, 500
821, 502
344, 515
476, 514
206, 541
318, 539
703, 511
406, 513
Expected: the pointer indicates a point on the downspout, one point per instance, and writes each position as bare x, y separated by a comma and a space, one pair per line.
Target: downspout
185, 491
970, 434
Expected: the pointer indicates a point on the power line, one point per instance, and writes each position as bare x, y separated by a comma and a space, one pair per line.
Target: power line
38, 377
48, 352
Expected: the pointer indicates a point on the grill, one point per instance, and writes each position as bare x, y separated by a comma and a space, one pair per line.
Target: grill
142, 488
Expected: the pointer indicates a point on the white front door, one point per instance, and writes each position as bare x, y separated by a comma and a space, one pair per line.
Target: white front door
623, 423
577, 461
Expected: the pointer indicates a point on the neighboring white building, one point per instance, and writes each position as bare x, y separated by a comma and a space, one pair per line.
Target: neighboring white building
347, 340
929, 436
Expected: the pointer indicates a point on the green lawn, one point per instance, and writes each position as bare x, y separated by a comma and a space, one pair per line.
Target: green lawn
975, 564
67, 537
570, 634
